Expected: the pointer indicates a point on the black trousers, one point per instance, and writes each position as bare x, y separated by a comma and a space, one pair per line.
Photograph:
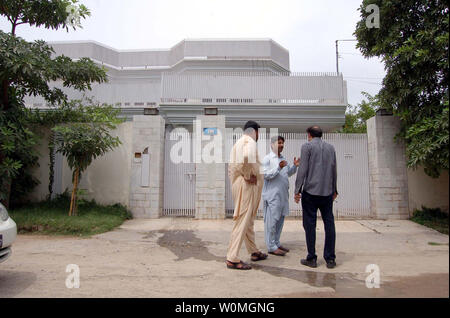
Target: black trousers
310, 204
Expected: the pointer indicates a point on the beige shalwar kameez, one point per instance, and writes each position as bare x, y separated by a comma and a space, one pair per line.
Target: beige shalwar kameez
244, 162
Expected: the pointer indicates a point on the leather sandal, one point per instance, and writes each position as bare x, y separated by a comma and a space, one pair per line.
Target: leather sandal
283, 248
240, 265
278, 252
259, 256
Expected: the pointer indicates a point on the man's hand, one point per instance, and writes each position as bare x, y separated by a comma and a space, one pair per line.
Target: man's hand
252, 179
334, 196
297, 197
296, 161
283, 164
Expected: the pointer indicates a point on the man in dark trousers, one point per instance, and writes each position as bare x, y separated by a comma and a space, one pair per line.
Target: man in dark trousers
316, 186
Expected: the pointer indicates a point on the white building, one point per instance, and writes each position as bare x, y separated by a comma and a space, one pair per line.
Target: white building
243, 79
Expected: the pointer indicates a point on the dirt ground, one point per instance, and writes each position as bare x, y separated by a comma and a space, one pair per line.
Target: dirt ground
186, 258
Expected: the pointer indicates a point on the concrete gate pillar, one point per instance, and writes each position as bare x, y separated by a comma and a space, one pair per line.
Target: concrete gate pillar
209, 147
388, 179
147, 166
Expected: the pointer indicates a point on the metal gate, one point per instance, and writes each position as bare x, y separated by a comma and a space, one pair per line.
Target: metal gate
353, 173
352, 163
352, 158
179, 179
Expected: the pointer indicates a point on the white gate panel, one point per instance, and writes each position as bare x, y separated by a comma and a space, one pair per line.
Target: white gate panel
353, 173
179, 180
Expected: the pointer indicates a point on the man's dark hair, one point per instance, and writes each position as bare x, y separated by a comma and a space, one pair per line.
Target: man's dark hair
315, 131
276, 138
252, 124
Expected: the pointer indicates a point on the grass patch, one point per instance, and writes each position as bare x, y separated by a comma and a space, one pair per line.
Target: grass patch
432, 218
436, 244
51, 217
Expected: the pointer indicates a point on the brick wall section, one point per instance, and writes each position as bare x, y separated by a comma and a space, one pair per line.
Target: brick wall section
148, 132
210, 177
388, 179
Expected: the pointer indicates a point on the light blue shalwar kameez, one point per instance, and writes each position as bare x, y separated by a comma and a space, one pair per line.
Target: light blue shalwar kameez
275, 197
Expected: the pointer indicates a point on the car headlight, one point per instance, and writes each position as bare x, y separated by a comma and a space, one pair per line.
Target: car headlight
3, 213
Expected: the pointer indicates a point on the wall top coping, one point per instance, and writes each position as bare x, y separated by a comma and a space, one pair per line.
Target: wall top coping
225, 49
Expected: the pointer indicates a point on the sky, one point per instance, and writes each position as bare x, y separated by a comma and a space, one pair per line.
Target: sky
307, 28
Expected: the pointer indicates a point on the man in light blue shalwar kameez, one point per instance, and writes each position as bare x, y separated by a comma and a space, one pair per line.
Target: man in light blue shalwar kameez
275, 194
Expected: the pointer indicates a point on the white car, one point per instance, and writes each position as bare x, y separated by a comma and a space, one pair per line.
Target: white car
8, 233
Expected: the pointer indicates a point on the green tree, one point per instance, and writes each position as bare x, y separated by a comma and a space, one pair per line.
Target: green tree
52, 14
17, 146
356, 116
83, 142
28, 68
70, 112
412, 41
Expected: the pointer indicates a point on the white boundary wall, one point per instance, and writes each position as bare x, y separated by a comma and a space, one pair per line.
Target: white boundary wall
367, 164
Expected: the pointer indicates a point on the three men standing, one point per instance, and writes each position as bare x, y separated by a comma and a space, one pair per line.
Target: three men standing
316, 185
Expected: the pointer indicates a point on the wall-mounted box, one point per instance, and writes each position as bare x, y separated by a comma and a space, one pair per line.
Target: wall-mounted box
145, 170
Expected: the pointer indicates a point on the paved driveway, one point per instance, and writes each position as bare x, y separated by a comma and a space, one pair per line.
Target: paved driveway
185, 258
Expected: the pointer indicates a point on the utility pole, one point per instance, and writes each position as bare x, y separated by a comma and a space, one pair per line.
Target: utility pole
337, 53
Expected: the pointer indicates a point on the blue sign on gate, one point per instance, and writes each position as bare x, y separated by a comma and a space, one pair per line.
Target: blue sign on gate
210, 131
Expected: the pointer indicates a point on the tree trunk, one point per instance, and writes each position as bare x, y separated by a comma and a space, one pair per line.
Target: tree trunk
73, 201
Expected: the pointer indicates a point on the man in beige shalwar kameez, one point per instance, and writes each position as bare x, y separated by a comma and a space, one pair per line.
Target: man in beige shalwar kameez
247, 183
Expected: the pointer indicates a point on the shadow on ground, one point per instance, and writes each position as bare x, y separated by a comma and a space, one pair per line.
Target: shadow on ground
185, 244
13, 283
